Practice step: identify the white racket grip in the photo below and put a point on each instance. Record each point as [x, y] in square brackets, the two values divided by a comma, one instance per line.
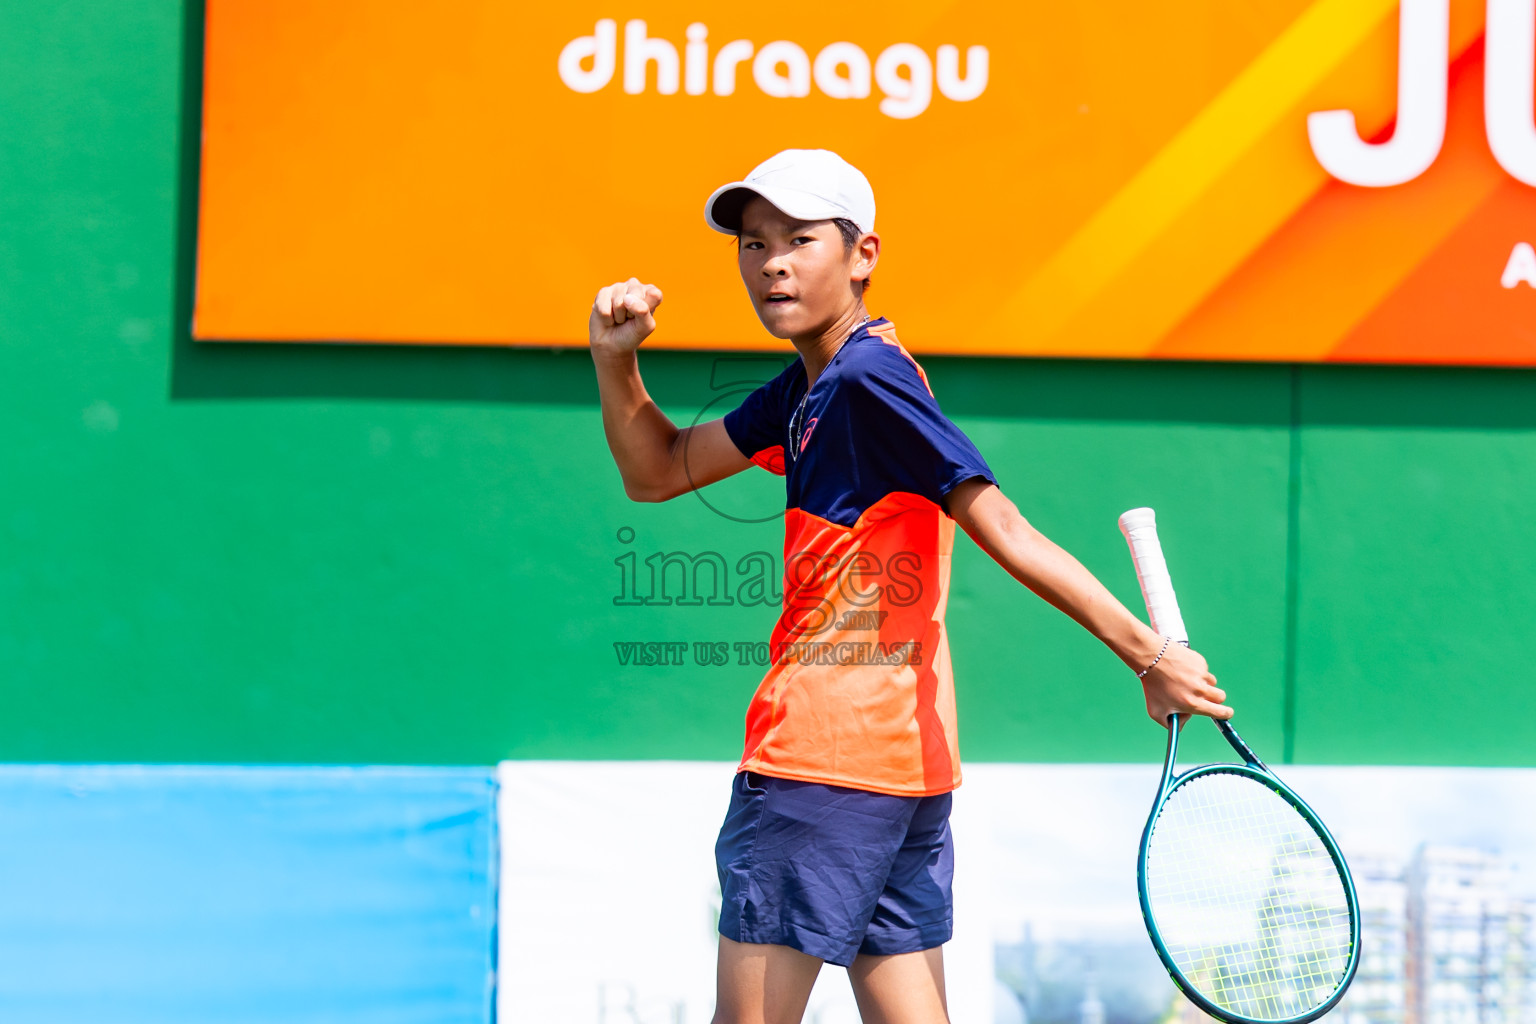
[1140, 528]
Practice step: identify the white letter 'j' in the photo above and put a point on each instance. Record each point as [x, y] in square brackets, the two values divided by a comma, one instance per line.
[1422, 72]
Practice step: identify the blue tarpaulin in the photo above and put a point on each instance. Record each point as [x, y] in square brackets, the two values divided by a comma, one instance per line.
[198, 894]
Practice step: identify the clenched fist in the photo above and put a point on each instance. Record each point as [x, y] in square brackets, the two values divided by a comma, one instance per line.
[622, 316]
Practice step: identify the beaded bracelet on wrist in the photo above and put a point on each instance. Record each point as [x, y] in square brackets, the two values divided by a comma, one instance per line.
[1143, 673]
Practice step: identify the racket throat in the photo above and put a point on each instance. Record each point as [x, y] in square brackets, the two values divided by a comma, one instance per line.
[1168, 759]
[1243, 750]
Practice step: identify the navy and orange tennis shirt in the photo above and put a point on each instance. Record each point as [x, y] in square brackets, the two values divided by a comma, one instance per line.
[859, 691]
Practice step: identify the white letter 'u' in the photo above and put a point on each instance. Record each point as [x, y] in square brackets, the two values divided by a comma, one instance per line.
[1422, 70]
[1507, 82]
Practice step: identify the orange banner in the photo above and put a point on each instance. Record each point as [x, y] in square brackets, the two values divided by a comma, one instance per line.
[1280, 180]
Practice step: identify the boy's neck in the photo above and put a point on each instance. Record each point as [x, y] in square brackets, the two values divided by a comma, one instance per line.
[817, 351]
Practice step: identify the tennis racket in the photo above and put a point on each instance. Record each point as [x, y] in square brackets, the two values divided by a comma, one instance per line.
[1245, 894]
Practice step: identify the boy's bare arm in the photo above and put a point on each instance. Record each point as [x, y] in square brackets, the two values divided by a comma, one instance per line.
[1181, 681]
[656, 460]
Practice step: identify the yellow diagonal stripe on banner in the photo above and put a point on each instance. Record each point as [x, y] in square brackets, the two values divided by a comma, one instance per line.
[1173, 181]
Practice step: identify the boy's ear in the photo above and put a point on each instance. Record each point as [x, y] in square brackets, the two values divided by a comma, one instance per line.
[866, 254]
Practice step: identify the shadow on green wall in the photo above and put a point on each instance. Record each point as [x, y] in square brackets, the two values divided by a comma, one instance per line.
[1011, 388]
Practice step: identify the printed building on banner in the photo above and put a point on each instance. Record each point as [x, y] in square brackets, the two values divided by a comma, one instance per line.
[1469, 940]
[1379, 994]
[1446, 939]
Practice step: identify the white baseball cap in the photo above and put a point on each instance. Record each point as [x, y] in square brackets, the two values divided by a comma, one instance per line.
[807, 184]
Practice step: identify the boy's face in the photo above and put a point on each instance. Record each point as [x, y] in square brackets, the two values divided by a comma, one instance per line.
[798, 272]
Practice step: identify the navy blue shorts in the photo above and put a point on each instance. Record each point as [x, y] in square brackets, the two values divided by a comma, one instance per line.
[835, 872]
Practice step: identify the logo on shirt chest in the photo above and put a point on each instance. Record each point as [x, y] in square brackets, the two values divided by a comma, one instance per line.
[805, 436]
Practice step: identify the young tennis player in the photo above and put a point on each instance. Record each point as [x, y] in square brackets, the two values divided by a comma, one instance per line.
[836, 844]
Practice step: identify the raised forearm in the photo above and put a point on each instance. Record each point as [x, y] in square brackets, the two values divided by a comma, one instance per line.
[641, 437]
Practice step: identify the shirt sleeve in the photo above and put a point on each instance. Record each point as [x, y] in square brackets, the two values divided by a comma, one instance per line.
[757, 427]
[907, 434]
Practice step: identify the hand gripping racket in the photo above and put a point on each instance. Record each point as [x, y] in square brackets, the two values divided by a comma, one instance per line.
[1245, 894]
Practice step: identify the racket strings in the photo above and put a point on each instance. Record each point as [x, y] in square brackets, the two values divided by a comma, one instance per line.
[1247, 899]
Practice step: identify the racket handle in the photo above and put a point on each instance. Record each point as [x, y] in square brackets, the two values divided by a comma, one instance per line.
[1140, 528]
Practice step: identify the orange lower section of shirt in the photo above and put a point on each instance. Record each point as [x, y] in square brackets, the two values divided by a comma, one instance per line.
[861, 692]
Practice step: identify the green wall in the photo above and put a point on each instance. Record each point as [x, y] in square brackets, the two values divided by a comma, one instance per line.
[289, 553]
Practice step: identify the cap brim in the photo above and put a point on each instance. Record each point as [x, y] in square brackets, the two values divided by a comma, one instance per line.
[723, 209]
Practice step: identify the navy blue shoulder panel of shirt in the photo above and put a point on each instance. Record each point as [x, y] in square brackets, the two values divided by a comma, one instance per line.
[871, 427]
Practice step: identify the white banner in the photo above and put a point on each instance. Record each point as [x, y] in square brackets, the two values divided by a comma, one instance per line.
[609, 898]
